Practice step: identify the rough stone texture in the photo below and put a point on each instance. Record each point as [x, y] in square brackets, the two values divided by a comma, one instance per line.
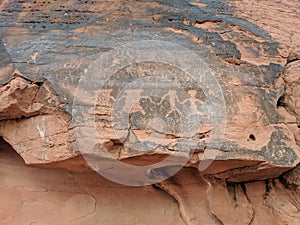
[282, 23]
[217, 202]
[44, 196]
[32, 122]
[47, 46]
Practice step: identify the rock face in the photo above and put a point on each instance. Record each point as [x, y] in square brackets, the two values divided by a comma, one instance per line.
[202, 93]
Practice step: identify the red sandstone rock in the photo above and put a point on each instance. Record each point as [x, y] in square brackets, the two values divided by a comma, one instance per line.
[47, 48]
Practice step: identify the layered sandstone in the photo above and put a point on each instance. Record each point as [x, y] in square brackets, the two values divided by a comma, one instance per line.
[238, 162]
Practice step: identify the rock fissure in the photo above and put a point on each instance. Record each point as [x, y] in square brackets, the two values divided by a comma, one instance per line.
[180, 207]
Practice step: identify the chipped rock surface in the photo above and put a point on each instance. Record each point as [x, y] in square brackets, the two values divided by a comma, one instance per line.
[69, 88]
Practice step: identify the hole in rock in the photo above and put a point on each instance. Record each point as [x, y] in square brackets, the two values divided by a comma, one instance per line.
[252, 137]
[8, 155]
[280, 102]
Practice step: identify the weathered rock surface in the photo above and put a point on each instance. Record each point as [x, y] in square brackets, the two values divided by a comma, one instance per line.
[44, 196]
[48, 48]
